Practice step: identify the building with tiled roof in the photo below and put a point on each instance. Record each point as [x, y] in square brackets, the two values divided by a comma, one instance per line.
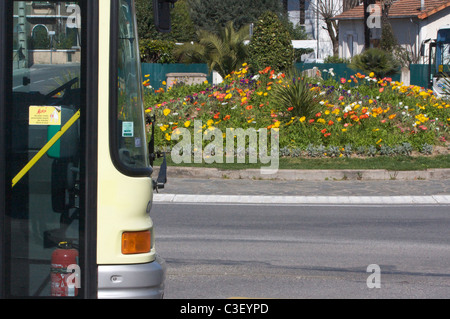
[413, 22]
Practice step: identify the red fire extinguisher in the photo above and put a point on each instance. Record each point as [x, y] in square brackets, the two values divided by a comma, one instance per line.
[63, 257]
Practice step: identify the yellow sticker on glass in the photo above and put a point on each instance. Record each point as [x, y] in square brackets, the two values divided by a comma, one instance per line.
[44, 115]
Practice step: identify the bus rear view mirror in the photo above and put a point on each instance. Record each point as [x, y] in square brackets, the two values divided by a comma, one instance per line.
[161, 12]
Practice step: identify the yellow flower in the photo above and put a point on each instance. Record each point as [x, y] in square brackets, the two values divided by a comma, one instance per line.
[147, 75]
[210, 122]
[166, 112]
[244, 64]
[205, 82]
[379, 141]
[371, 74]
[276, 124]
[187, 123]
[228, 96]
[302, 119]
[167, 136]
[164, 83]
[344, 130]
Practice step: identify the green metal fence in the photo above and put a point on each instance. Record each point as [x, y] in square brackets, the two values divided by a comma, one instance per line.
[157, 72]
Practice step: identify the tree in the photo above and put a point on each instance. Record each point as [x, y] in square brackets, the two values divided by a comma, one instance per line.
[212, 15]
[224, 52]
[327, 10]
[271, 44]
[388, 40]
[182, 26]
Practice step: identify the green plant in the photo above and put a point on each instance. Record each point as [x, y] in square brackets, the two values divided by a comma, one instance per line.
[271, 44]
[296, 97]
[333, 151]
[335, 59]
[157, 51]
[212, 15]
[40, 38]
[183, 29]
[388, 40]
[224, 53]
[426, 149]
[375, 60]
[348, 150]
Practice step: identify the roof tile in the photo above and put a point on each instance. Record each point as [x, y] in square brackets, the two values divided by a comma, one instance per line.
[400, 8]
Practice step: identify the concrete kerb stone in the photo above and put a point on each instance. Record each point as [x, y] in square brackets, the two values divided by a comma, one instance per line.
[305, 175]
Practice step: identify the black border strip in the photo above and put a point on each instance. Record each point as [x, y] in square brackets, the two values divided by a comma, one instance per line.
[113, 99]
[3, 71]
[89, 138]
[89, 155]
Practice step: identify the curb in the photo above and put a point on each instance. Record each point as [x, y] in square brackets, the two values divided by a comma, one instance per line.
[305, 200]
[306, 175]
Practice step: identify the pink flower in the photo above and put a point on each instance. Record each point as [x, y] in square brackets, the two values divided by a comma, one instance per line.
[343, 80]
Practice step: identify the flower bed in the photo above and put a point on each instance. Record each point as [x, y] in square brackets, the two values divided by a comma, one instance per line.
[358, 116]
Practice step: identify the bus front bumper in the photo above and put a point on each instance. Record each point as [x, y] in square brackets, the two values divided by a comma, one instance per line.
[138, 281]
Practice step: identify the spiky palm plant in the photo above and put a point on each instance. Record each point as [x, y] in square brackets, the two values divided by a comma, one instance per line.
[295, 96]
[224, 52]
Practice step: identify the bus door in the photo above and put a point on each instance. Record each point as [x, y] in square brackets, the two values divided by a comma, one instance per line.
[45, 114]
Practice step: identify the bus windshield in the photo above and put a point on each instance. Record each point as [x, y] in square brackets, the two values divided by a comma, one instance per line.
[132, 141]
[443, 49]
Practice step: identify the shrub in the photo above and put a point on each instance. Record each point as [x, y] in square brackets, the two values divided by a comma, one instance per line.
[271, 44]
[156, 51]
[296, 97]
[375, 60]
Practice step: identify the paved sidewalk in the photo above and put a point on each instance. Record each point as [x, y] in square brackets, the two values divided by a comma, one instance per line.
[205, 185]
[196, 186]
[307, 175]
[204, 181]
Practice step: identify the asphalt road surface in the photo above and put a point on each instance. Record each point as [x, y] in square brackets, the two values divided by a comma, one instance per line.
[304, 251]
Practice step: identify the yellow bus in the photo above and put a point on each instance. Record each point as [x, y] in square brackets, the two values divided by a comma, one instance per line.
[75, 166]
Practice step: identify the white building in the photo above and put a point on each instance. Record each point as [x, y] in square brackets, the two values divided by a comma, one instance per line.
[303, 12]
[413, 22]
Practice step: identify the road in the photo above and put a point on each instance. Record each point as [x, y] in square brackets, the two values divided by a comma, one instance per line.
[303, 251]
[44, 77]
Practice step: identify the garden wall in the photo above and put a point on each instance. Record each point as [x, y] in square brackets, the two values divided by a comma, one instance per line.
[157, 72]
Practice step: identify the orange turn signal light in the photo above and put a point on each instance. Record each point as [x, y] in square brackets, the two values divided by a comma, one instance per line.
[136, 242]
